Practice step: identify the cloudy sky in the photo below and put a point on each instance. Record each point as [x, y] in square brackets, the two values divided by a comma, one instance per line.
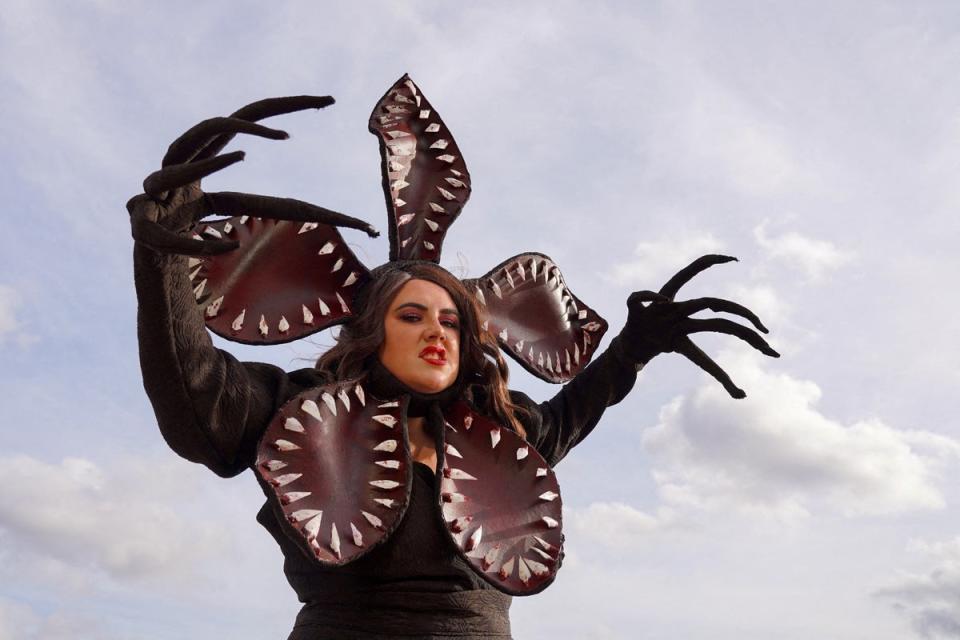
[818, 142]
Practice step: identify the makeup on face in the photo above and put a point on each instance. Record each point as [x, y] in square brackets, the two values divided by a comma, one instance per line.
[421, 344]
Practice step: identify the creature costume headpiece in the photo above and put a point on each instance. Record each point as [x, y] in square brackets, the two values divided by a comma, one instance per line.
[287, 280]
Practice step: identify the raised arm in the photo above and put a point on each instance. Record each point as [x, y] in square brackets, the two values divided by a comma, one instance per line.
[210, 407]
[656, 324]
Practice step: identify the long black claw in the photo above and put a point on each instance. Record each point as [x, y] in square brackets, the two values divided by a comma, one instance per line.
[180, 175]
[261, 109]
[729, 327]
[184, 148]
[687, 273]
[235, 204]
[695, 355]
[689, 307]
[163, 240]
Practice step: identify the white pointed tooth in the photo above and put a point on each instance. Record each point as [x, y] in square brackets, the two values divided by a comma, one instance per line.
[586, 341]
[449, 426]
[198, 290]
[292, 424]
[576, 353]
[592, 326]
[457, 474]
[530, 355]
[506, 569]
[397, 134]
[480, 297]
[405, 218]
[285, 479]
[192, 262]
[455, 172]
[446, 194]
[540, 360]
[285, 445]
[196, 236]
[540, 552]
[523, 571]
[411, 86]
[227, 228]
[357, 536]
[474, 540]
[429, 245]
[243, 219]
[447, 158]
[305, 514]
[453, 497]
[439, 144]
[437, 208]
[582, 314]
[313, 527]
[550, 522]
[494, 437]
[307, 315]
[385, 502]
[388, 464]
[283, 326]
[467, 422]
[452, 450]
[399, 202]
[424, 114]
[324, 309]
[264, 329]
[389, 405]
[496, 289]
[330, 402]
[344, 398]
[214, 307]
[504, 335]
[539, 569]
[522, 452]
[491, 557]
[387, 445]
[396, 166]
[361, 396]
[293, 496]
[433, 127]
[549, 365]
[405, 242]
[541, 472]
[193, 274]
[556, 361]
[519, 347]
[533, 268]
[386, 419]
[509, 278]
[566, 355]
[350, 279]
[343, 305]
[455, 182]
[308, 226]
[432, 224]
[326, 249]
[210, 231]
[549, 496]
[335, 540]
[543, 543]
[310, 407]
[385, 484]
[275, 465]
[337, 265]
[401, 98]
[374, 520]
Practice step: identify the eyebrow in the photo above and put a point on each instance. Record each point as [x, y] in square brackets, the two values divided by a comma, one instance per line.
[420, 307]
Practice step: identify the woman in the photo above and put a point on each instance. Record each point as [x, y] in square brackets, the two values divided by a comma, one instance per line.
[409, 491]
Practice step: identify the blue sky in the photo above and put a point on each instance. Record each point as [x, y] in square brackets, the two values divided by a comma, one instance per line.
[817, 142]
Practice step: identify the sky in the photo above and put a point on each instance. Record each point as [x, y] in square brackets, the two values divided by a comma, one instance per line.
[817, 142]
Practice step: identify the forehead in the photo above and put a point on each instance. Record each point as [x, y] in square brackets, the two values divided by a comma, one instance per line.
[423, 292]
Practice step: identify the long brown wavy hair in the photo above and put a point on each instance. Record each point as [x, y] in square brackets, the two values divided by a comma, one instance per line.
[481, 363]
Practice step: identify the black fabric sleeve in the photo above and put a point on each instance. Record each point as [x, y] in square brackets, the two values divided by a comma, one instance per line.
[211, 408]
[559, 424]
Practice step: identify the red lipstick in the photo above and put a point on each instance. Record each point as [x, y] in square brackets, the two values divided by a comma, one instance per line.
[434, 355]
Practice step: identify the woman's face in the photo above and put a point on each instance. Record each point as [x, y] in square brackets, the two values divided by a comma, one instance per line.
[421, 345]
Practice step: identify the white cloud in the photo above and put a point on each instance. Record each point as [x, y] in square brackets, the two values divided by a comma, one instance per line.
[10, 326]
[656, 261]
[931, 600]
[776, 454]
[78, 515]
[614, 525]
[815, 258]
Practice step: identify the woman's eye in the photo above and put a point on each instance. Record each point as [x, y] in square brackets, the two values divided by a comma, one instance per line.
[451, 323]
[410, 317]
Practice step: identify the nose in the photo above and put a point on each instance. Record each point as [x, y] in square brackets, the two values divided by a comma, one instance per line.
[435, 330]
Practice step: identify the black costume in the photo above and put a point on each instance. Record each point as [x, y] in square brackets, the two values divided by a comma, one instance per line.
[422, 566]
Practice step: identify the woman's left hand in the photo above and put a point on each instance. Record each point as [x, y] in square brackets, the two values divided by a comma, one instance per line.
[656, 323]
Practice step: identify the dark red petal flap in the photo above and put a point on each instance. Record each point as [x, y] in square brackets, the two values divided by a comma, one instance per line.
[536, 317]
[425, 180]
[286, 280]
[334, 461]
[501, 503]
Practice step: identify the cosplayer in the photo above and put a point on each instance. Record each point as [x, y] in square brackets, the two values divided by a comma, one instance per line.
[410, 491]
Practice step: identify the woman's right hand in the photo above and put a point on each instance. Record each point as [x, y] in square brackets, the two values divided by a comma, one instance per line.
[173, 201]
